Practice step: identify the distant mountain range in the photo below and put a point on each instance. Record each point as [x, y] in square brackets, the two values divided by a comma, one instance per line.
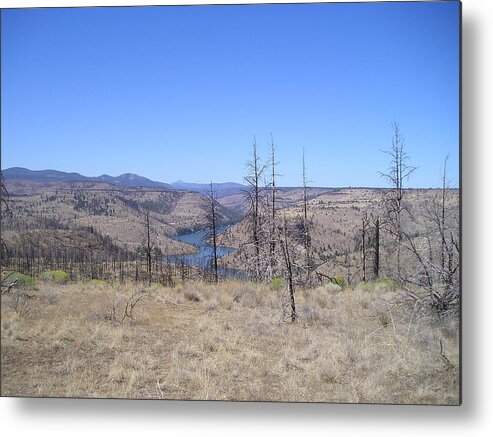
[125, 180]
[222, 189]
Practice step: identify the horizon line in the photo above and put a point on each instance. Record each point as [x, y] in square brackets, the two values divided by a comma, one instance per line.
[224, 182]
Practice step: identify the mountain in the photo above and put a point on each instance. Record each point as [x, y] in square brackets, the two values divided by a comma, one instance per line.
[45, 175]
[222, 189]
[229, 194]
[133, 180]
[125, 180]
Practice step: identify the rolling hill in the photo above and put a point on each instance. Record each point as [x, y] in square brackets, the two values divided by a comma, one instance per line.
[44, 203]
[125, 180]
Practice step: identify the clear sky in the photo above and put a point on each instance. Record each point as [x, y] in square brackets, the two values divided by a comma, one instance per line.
[179, 92]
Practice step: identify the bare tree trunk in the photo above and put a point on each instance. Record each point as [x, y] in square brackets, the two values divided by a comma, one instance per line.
[148, 247]
[363, 244]
[443, 251]
[436, 248]
[273, 207]
[398, 172]
[289, 271]
[4, 209]
[212, 218]
[253, 179]
[376, 259]
[306, 231]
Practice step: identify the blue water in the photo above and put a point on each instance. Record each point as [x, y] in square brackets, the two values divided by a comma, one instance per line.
[203, 258]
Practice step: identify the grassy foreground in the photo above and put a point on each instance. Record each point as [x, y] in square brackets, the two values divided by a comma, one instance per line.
[227, 342]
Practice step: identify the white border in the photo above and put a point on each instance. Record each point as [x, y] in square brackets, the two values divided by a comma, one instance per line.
[136, 418]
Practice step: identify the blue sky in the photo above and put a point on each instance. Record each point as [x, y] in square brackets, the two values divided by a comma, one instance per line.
[179, 92]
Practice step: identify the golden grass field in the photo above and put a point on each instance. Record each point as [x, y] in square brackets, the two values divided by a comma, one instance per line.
[226, 342]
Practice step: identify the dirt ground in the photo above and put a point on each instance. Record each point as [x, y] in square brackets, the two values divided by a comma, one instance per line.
[225, 342]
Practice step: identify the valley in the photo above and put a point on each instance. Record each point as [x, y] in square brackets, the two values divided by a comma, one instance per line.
[106, 220]
[132, 268]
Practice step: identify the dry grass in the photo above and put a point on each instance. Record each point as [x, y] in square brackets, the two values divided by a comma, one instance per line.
[202, 341]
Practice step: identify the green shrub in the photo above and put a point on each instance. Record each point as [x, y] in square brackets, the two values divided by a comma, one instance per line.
[379, 285]
[340, 281]
[97, 282]
[58, 276]
[276, 283]
[331, 287]
[385, 284]
[24, 281]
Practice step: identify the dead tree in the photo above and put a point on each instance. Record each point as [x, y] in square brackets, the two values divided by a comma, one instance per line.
[130, 304]
[376, 248]
[4, 210]
[211, 195]
[148, 245]
[273, 224]
[442, 224]
[5, 284]
[398, 172]
[253, 179]
[364, 237]
[435, 245]
[289, 268]
[306, 224]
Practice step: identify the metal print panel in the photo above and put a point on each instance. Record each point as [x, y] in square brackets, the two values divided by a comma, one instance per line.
[235, 202]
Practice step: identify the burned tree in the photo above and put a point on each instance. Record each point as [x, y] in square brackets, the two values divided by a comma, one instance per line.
[253, 179]
[212, 218]
[441, 221]
[148, 246]
[398, 172]
[305, 224]
[4, 209]
[289, 269]
[273, 211]
[435, 245]
[376, 247]
[364, 238]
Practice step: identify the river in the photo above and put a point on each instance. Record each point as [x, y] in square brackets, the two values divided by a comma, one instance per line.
[203, 257]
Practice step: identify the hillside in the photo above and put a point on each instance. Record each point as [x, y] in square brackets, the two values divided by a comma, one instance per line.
[335, 224]
[75, 249]
[20, 174]
[286, 197]
[107, 209]
[54, 219]
[222, 189]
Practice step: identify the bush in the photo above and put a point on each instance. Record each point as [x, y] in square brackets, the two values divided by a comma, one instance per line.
[339, 280]
[97, 282]
[192, 295]
[276, 283]
[57, 276]
[24, 281]
[379, 285]
[385, 284]
[332, 288]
